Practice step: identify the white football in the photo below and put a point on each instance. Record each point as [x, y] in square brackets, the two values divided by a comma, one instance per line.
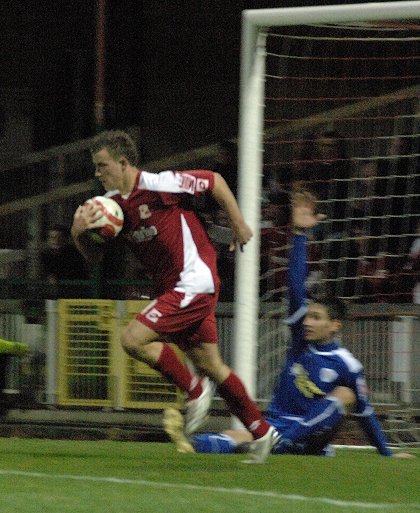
[111, 222]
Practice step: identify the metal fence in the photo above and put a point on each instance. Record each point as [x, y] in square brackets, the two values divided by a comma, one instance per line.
[386, 338]
[76, 359]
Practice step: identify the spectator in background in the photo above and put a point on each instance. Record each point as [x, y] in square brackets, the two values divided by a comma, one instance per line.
[225, 163]
[362, 190]
[414, 260]
[325, 171]
[396, 189]
[60, 261]
[377, 275]
[409, 277]
[371, 274]
[273, 260]
[385, 194]
[220, 234]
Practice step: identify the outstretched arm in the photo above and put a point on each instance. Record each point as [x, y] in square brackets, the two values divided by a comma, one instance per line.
[303, 218]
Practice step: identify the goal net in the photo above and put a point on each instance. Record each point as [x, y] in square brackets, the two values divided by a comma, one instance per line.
[329, 102]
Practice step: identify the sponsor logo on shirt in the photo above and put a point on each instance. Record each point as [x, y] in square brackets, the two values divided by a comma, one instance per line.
[202, 184]
[144, 211]
[186, 182]
[153, 315]
[303, 382]
[144, 234]
[327, 375]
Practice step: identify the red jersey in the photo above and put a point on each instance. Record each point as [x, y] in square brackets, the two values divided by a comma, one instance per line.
[164, 232]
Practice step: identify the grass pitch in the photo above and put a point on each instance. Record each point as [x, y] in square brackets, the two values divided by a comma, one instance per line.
[60, 476]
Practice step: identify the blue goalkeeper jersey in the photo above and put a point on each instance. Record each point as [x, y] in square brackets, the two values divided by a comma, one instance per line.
[314, 370]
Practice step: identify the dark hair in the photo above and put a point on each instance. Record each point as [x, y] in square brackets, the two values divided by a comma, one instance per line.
[336, 308]
[118, 143]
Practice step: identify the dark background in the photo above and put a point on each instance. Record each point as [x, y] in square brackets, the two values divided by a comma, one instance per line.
[172, 69]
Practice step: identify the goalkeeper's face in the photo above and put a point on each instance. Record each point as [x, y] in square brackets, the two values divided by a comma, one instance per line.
[318, 326]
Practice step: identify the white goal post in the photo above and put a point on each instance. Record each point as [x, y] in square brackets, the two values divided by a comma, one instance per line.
[250, 153]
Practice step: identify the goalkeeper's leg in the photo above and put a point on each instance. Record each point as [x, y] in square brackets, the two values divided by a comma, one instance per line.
[311, 433]
[228, 442]
[211, 443]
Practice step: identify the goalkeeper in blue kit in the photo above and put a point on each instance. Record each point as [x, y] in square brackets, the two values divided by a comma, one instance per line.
[321, 381]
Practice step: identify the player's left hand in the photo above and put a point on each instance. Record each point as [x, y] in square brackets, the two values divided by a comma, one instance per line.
[404, 455]
[242, 233]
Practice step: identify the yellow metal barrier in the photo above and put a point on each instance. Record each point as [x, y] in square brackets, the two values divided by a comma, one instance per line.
[93, 369]
[144, 387]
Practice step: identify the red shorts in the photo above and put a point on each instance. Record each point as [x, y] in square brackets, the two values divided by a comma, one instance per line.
[187, 326]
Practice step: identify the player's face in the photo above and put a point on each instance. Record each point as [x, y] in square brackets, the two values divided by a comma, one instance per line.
[108, 170]
[318, 327]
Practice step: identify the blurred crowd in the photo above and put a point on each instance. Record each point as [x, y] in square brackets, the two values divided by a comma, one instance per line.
[367, 249]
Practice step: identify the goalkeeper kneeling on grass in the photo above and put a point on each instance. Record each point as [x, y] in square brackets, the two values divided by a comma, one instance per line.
[321, 380]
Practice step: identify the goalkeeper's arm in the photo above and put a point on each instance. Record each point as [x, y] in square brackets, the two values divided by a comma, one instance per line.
[373, 430]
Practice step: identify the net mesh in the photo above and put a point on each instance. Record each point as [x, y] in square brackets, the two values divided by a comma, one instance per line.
[342, 119]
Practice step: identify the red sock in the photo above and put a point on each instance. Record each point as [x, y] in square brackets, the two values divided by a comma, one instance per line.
[171, 367]
[240, 404]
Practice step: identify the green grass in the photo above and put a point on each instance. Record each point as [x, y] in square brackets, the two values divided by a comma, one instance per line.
[57, 476]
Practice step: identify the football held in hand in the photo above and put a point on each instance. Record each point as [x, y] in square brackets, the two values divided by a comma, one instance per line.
[111, 222]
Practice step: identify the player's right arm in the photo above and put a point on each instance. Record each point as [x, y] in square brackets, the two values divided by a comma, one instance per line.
[83, 221]
[200, 182]
[303, 218]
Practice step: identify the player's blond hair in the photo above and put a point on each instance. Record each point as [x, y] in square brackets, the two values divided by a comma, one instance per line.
[118, 143]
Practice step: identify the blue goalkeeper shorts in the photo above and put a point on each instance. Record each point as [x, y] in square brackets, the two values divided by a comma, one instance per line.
[316, 444]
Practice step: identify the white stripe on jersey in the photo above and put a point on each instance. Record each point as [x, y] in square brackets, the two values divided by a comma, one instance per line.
[297, 316]
[196, 277]
[351, 361]
[367, 412]
[168, 181]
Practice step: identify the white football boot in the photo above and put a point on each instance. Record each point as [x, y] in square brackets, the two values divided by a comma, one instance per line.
[261, 448]
[197, 410]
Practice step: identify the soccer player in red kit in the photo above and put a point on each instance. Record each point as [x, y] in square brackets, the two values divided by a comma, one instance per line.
[164, 232]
